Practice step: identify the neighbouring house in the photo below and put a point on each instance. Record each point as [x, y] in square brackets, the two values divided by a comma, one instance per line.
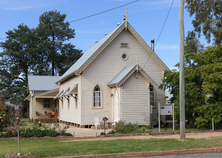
[42, 90]
[118, 78]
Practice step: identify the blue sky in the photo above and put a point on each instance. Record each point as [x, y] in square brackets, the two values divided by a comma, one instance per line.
[146, 17]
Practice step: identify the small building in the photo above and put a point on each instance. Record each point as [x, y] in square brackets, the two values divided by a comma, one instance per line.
[42, 90]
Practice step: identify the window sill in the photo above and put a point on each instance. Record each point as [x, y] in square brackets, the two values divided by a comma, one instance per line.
[46, 108]
[97, 108]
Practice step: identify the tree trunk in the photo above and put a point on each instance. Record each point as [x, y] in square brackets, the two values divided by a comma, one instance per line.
[18, 139]
[53, 65]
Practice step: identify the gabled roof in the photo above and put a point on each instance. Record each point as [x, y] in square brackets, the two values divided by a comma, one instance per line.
[42, 83]
[125, 73]
[79, 66]
[87, 55]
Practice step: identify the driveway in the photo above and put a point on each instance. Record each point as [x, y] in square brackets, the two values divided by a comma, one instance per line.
[84, 132]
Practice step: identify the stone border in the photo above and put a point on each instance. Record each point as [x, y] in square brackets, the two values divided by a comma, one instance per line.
[111, 135]
[45, 137]
[152, 153]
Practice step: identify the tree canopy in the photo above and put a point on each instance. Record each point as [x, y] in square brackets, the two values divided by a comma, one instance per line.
[203, 75]
[203, 88]
[36, 51]
[207, 18]
[55, 31]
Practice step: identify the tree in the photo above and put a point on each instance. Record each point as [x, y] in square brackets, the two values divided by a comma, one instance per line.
[55, 32]
[207, 18]
[203, 87]
[36, 51]
[17, 61]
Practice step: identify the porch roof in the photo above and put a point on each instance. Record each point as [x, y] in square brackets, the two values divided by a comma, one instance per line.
[126, 72]
[118, 78]
[72, 89]
[42, 83]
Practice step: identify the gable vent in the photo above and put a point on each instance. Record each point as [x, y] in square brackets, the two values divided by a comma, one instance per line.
[124, 45]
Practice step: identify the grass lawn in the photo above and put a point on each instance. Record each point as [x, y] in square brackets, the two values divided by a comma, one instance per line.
[54, 147]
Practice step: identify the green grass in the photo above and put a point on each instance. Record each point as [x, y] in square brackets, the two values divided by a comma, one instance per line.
[54, 147]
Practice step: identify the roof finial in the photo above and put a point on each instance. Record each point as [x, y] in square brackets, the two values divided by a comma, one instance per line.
[125, 18]
[137, 68]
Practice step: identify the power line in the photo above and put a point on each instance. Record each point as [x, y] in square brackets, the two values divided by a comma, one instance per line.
[164, 22]
[97, 13]
[103, 11]
[160, 31]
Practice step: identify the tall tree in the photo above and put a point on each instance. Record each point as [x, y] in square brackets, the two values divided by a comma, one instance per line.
[54, 31]
[17, 61]
[207, 18]
[203, 87]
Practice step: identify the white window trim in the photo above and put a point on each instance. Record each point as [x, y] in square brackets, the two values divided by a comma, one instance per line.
[44, 104]
[124, 59]
[100, 98]
[122, 43]
[154, 101]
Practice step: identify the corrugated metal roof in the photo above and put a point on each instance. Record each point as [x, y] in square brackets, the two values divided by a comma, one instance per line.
[87, 55]
[42, 83]
[64, 92]
[74, 87]
[116, 80]
[57, 96]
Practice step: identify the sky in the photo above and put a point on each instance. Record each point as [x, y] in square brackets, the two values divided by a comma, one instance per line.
[146, 16]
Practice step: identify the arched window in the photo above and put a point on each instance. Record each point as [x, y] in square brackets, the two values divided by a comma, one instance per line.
[152, 103]
[97, 97]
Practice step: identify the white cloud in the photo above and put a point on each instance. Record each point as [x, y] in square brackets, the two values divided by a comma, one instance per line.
[17, 5]
[26, 4]
[167, 46]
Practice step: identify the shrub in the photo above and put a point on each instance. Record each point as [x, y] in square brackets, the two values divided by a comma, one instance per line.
[143, 129]
[102, 133]
[119, 127]
[5, 120]
[51, 133]
[149, 127]
[8, 134]
[112, 132]
[38, 133]
[66, 134]
[26, 134]
[125, 128]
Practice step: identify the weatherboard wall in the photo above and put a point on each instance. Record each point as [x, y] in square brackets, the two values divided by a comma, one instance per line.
[135, 105]
[70, 111]
[108, 64]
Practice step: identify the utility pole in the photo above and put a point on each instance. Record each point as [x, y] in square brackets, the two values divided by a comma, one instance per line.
[182, 80]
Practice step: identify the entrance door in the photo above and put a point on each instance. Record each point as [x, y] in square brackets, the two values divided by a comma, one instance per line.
[116, 106]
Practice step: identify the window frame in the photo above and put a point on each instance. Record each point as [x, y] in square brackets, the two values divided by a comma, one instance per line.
[124, 45]
[126, 58]
[152, 91]
[46, 101]
[100, 97]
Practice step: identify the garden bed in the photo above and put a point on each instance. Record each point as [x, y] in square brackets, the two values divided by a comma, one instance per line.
[45, 137]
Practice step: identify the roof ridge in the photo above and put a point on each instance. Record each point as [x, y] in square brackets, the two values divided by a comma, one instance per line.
[88, 54]
[132, 67]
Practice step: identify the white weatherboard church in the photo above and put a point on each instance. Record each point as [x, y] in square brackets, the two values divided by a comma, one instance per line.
[112, 79]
